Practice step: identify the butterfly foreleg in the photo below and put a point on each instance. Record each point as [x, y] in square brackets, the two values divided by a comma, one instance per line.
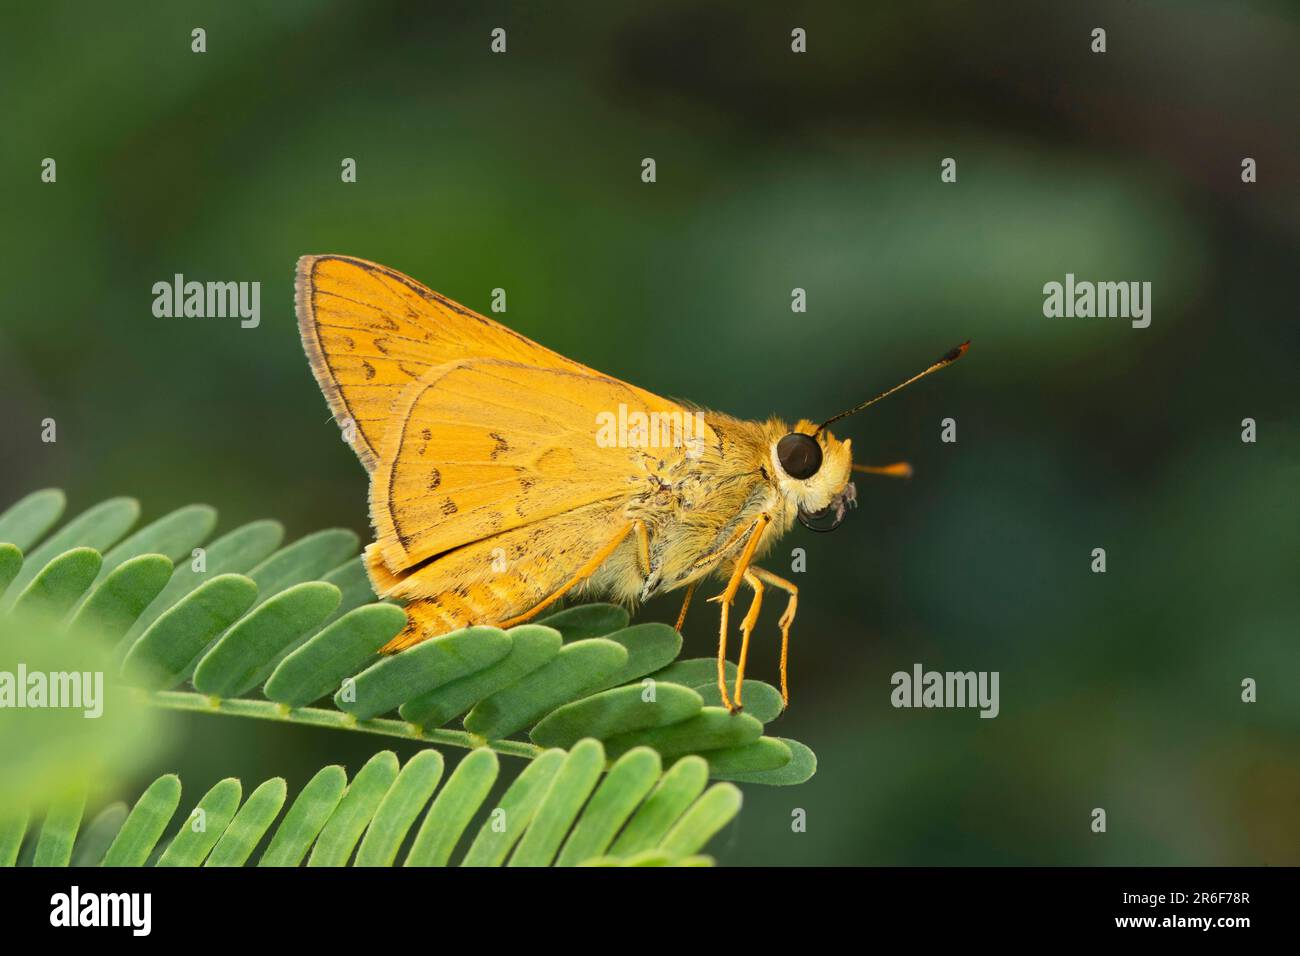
[583, 573]
[751, 537]
[787, 618]
[642, 548]
[701, 563]
[746, 628]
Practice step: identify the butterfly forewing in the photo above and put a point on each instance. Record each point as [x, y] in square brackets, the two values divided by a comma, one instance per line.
[487, 446]
[370, 332]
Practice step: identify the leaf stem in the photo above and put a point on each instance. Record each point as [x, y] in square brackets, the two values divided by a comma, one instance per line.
[320, 717]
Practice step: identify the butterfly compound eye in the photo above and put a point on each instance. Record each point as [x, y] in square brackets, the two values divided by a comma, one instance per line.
[799, 455]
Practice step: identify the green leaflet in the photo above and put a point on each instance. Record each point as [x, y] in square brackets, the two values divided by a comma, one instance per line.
[399, 808]
[96, 838]
[306, 559]
[576, 670]
[706, 817]
[615, 712]
[245, 654]
[649, 647]
[54, 845]
[172, 536]
[351, 817]
[55, 589]
[336, 652]
[354, 587]
[25, 521]
[453, 809]
[802, 765]
[305, 819]
[761, 701]
[695, 672]
[250, 824]
[11, 562]
[122, 596]
[763, 755]
[531, 646]
[204, 826]
[144, 827]
[711, 729]
[164, 653]
[13, 824]
[587, 620]
[562, 810]
[393, 680]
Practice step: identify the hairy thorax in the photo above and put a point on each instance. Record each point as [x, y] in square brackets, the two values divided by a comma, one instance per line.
[693, 504]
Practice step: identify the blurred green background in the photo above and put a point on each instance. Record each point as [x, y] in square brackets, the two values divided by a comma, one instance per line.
[775, 171]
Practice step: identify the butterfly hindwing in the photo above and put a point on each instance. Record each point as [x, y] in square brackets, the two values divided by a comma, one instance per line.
[484, 446]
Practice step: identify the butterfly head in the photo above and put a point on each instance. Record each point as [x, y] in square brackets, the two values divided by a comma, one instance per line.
[812, 469]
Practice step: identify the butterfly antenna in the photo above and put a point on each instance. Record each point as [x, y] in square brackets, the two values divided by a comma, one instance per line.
[950, 357]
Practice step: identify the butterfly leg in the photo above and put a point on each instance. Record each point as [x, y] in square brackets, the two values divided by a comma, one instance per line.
[587, 570]
[787, 618]
[754, 535]
[747, 628]
[708, 560]
[681, 618]
[642, 548]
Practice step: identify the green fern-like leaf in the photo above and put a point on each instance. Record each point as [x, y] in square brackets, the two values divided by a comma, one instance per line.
[558, 812]
[245, 626]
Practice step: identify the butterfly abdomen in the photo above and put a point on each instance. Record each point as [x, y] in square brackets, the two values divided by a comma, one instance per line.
[485, 582]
